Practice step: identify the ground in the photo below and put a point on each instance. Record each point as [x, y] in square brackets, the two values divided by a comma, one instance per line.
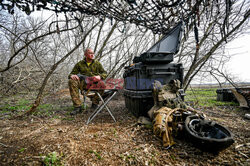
[52, 135]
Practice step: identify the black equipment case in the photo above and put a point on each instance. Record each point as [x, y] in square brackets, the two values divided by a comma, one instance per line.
[138, 102]
[138, 84]
[164, 50]
[225, 94]
[149, 66]
[141, 76]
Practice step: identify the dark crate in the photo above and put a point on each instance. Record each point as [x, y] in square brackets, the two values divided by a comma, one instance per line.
[138, 102]
[142, 76]
[154, 64]
[164, 50]
[225, 94]
[154, 57]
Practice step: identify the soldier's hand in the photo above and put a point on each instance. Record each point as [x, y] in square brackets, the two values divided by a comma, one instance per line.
[96, 78]
[74, 77]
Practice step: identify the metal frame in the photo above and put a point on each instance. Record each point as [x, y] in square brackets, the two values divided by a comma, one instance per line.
[100, 107]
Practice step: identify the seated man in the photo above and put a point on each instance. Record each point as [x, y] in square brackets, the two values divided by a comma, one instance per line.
[93, 70]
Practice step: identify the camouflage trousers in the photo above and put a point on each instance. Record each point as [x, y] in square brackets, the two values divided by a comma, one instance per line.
[75, 86]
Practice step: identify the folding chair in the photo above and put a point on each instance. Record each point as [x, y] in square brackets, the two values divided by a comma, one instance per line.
[105, 99]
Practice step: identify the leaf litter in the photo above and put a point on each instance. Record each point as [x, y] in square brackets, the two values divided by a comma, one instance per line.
[103, 142]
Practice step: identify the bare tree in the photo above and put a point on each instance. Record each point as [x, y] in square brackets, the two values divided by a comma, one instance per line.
[26, 52]
[212, 37]
[52, 69]
[20, 40]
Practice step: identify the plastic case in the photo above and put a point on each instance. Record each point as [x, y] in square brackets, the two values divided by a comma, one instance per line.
[138, 102]
[225, 94]
[141, 76]
[154, 64]
[164, 50]
[154, 58]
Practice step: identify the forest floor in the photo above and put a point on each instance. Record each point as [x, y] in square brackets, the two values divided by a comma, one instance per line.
[53, 135]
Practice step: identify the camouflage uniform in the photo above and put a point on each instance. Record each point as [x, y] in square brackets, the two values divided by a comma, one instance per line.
[94, 69]
[168, 95]
[167, 103]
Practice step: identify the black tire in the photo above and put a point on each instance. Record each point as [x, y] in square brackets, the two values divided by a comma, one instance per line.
[207, 135]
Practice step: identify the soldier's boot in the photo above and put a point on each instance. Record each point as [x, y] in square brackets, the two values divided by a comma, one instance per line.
[94, 106]
[95, 100]
[76, 110]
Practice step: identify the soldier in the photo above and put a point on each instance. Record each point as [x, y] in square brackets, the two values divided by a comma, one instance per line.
[95, 72]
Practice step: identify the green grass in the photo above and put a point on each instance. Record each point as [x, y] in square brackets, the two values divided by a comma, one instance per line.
[68, 119]
[20, 105]
[53, 159]
[22, 150]
[44, 107]
[97, 154]
[205, 97]
[127, 157]
[44, 110]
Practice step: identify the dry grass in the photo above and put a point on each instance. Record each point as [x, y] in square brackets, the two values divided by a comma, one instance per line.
[103, 142]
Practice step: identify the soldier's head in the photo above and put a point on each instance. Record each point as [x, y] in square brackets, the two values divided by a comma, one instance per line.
[89, 54]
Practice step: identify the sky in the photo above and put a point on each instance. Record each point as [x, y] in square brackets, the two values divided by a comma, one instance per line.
[239, 64]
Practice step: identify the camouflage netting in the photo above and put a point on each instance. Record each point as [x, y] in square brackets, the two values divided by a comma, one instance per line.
[156, 15]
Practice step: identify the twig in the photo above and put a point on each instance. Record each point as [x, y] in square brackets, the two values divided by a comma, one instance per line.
[238, 146]
[4, 145]
[197, 101]
[41, 120]
[131, 126]
[242, 145]
[36, 131]
[243, 154]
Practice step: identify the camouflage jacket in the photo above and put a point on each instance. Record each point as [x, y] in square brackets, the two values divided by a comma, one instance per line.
[94, 69]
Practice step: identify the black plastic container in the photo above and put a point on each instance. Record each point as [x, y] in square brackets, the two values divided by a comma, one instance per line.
[155, 57]
[138, 102]
[154, 64]
[164, 50]
[141, 76]
[225, 94]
